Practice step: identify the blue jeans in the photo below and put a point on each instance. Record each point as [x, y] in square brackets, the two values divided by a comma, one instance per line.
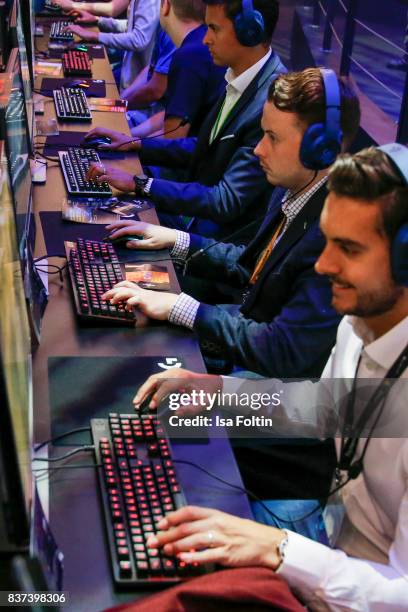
[287, 513]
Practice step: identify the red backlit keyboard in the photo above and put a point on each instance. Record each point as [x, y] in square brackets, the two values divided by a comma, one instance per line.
[139, 485]
[76, 63]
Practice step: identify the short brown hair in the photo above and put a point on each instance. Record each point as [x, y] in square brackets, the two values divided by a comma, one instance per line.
[303, 93]
[189, 10]
[370, 175]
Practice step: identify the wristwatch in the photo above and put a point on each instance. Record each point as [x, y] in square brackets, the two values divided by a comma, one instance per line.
[142, 184]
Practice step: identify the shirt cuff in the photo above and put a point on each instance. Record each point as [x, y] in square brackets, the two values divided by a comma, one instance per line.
[181, 246]
[184, 311]
[305, 565]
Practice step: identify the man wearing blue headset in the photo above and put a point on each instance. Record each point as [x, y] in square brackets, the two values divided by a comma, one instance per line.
[365, 565]
[283, 323]
[222, 186]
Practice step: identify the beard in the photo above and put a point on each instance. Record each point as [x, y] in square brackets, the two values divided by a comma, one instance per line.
[374, 302]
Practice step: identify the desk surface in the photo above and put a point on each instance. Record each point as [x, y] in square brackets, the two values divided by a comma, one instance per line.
[74, 511]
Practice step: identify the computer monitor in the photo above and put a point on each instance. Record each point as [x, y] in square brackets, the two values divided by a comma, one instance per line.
[25, 41]
[8, 29]
[16, 482]
[14, 130]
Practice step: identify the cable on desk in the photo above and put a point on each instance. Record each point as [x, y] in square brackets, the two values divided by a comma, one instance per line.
[38, 152]
[67, 433]
[68, 467]
[86, 448]
[252, 495]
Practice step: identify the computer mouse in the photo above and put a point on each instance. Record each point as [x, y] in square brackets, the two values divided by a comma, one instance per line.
[79, 83]
[122, 240]
[96, 141]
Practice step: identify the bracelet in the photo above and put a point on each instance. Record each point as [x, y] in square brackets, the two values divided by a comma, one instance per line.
[282, 547]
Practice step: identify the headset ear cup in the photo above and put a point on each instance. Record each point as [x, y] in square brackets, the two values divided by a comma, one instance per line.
[316, 150]
[399, 256]
[249, 28]
[312, 135]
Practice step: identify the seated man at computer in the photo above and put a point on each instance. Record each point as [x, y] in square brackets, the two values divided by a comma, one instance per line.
[365, 567]
[194, 81]
[134, 35]
[284, 324]
[225, 186]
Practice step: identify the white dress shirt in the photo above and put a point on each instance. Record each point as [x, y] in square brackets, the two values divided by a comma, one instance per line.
[236, 85]
[368, 569]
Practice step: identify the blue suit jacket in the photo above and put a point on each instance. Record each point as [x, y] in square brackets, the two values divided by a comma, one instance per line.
[286, 326]
[225, 182]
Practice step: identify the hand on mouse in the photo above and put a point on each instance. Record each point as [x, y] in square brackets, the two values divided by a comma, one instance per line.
[152, 236]
[118, 139]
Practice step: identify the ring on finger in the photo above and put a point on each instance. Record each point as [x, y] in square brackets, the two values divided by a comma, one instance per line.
[210, 538]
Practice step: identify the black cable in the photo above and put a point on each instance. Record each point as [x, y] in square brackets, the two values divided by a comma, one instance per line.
[242, 229]
[86, 448]
[49, 255]
[186, 119]
[256, 498]
[50, 469]
[60, 436]
[38, 152]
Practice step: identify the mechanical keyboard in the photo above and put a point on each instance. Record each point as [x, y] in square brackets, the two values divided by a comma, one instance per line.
[76, 63]
[58, 32]
[51, 7]
[138, 485]
[75, 164]
[71, 104]
[93, 269]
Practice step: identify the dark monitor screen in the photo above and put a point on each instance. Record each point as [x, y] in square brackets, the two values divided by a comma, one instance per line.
[15, 131]
[8, 29]
[25, 40]
[15, 381]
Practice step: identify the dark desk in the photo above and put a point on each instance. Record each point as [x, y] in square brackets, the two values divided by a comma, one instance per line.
[75, 514]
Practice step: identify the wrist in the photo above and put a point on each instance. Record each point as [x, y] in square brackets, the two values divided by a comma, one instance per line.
[142, 184]
[275, 554]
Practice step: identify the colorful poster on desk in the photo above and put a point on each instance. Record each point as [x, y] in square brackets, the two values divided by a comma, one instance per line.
[148, 276]
[88, 210]
[109, 105]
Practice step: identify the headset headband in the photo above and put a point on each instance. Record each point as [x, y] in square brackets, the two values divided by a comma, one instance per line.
[398, 154]
[332, 92]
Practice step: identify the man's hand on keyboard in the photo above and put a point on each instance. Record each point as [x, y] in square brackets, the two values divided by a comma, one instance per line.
[173, 380]
[115, 177]
[204, 535]
[153, 304]
[154, 236]
[83, 33]
[118, 139]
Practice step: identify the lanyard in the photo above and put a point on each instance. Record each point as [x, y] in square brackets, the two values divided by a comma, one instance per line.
[216, 127]
[376, 403]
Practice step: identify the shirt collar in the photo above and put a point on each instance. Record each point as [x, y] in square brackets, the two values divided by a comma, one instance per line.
[292, 206]
[241, 82]
[385, 349]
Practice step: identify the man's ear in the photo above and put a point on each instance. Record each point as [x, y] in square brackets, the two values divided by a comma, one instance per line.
[166, 6]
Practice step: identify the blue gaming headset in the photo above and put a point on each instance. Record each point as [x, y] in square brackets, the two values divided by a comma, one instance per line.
[322, 141]
[398, 155]
[249, 25]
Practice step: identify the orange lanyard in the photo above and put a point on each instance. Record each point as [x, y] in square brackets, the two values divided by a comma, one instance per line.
[266, 252]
